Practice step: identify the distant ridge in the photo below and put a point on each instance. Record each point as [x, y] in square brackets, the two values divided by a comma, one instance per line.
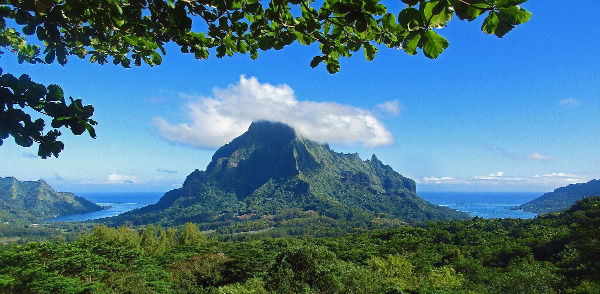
[562, 198]
[33, 201]
[269, 177]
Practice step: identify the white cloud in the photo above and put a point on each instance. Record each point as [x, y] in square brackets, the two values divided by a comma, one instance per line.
[539, 157]
[549, 181]
[493, 176]
[438, 180]
[115, 178]
[498, 174]
[392, 107]
[556, 175]
[570, 102]
[217, 120]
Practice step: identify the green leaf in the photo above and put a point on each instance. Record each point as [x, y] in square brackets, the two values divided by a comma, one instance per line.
[266, 42]
[492, 24]
[409, 18]
[23, 141]
[241, 47]
[55, 93]
[361, 24]
[29, 29]
[61, 55]
[514, 15]
[302, 39]
[156, 58]
[78, 128]
[22, 17]
[370, 51]
[388, 21]
[126, 63]
[467, 12]
[316, 61]
[437, 13]
[333, 66]
[50, 56]
[507, 3]
[411, 42]
[132, 40]
[433, 44]
[91, 131]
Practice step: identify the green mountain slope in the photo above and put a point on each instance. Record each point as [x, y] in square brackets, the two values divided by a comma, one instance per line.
[270, 177]
[562, 198]
[32, 201]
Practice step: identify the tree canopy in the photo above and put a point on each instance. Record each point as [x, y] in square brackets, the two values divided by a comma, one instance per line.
[130, 33]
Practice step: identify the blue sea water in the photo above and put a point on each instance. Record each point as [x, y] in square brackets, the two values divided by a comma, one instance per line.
[484, 204]
[117, 203]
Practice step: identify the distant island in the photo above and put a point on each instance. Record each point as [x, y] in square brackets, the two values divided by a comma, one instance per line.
[27, 202]
[270, 178]
[561, 198]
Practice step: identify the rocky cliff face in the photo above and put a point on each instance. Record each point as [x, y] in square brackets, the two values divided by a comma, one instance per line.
[270, 169]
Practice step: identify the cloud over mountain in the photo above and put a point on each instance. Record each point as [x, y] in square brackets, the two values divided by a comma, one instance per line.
[214, 121]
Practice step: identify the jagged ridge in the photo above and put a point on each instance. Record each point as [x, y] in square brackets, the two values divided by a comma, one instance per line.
[270, 170]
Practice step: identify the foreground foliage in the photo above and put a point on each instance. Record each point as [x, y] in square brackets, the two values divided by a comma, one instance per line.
[550, 254]
[130, 33]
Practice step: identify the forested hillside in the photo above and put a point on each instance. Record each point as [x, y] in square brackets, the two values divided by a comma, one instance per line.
[269, 178]
[26, 202]
[554, 253]
[562, 198]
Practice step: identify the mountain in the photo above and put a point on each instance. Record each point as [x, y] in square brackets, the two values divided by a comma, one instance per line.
[271, 177]
[562, 198]
[32, 201]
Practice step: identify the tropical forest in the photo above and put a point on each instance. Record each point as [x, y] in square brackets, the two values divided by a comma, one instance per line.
[299, 146]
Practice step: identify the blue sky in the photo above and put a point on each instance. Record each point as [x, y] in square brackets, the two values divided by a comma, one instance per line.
[514, 114]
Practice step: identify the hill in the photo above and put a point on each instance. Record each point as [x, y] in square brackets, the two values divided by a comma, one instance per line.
[562, 198]
[553, 253]
[271, 178]
[32, 201]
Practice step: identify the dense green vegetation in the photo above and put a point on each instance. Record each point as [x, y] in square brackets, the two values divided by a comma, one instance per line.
[24, 203]
[561, 198]
[554, 253]
[269, 178]
[54, 231]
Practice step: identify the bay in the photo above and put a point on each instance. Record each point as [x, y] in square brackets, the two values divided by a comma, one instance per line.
[484, 204]
[481, 204]
[117, 203]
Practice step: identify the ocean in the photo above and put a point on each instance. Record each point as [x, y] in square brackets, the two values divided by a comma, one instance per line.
[117, 203]
[482, 204]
